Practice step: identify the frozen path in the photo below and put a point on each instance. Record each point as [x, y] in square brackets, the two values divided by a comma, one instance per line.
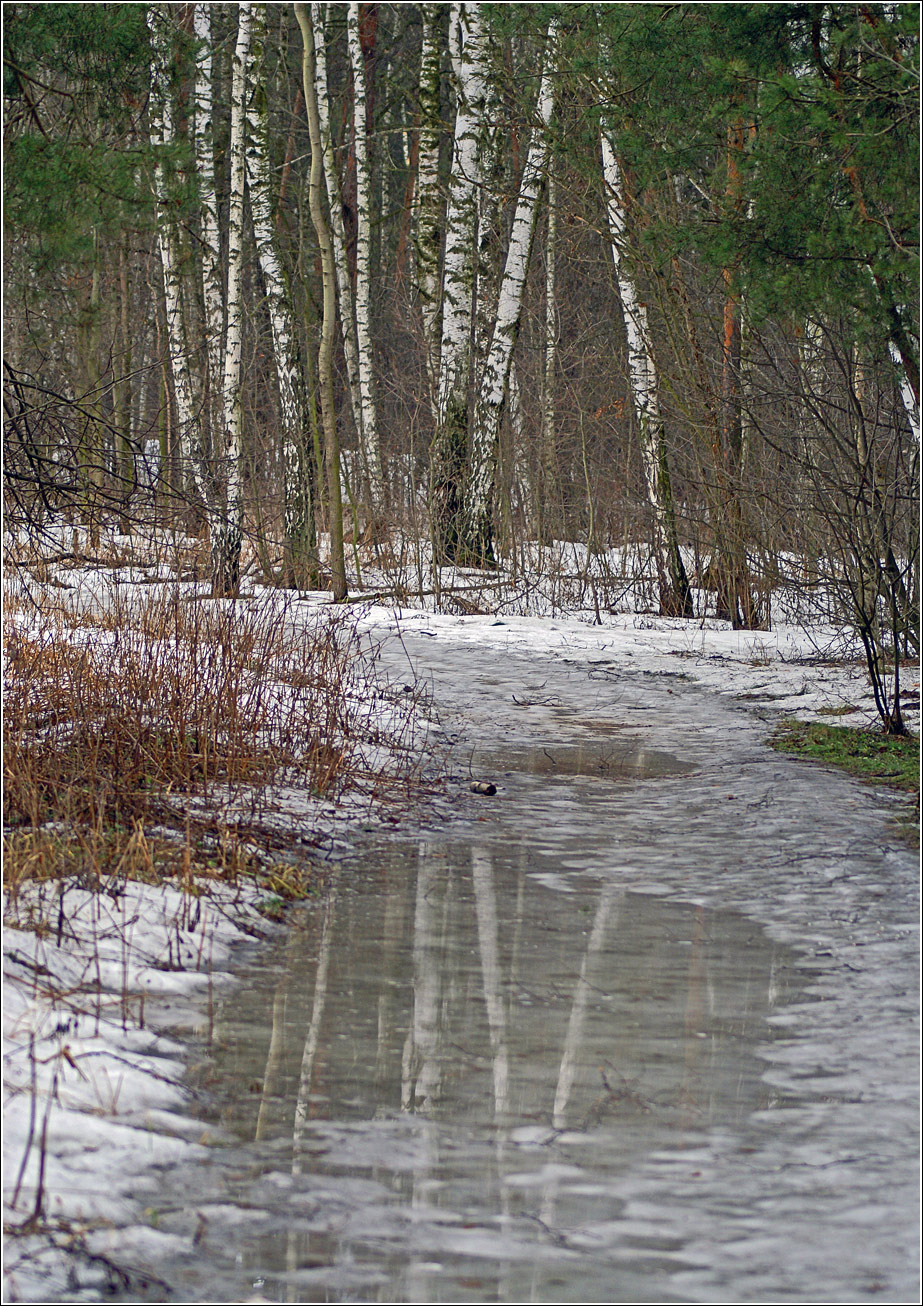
[808, 854]
[809, 1194]
[733, 930]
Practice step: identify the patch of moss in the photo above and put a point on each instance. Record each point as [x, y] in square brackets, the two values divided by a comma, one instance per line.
[873, 757]
[879, 758]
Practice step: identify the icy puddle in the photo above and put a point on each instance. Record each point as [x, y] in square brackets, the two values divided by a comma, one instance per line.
[605, 759]
[533, 1056]
[455, 1083]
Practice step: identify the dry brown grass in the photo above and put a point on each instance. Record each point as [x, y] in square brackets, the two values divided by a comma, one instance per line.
[146, 706]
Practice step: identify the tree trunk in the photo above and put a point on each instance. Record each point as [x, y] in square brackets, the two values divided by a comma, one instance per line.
[227, 532]
[163, 136]
[300, 545]
[449, 449]
[325, 351]
[371, 444]
[209, 232]
[734, 598]
[429, 208]
[478, 543]
[337, 229]
[675, 596]
[125, 466]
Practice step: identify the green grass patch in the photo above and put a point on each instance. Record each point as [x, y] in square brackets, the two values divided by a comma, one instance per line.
[878, 758]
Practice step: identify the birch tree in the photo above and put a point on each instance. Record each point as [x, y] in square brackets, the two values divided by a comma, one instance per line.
[448, 454]
[488, 411]
[429, 206]
[216, 470]
[319, 149]
[368, 417]
[298, 515]
[163, 139]
[209, 230]
[675, 594]
[227, 527]
[369, 450]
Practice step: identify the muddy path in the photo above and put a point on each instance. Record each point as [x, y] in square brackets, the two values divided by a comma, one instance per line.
[641, 1026]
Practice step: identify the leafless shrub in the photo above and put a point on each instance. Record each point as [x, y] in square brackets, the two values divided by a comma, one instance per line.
[123, 710]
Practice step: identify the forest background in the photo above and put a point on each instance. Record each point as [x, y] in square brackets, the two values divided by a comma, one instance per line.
[457, 283]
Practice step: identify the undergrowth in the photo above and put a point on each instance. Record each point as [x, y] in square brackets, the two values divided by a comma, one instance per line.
[162, 707]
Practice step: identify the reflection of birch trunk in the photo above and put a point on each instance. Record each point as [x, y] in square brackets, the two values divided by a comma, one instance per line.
[422, 1070]
[312, 1040]
[275, 1056]
[610, 896]
[674, 584]
[698, 996]
[421, 1083]
[390, 1016]
[489, 944]
[274, 1061]
[298, 514]
[488, 410]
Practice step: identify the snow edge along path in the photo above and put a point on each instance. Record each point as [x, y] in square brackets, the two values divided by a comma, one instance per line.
[93, 1099]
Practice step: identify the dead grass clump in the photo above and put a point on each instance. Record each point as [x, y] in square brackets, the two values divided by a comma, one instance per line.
[119, 712]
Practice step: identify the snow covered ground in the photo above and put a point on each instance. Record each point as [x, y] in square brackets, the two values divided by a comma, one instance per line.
[103, 992]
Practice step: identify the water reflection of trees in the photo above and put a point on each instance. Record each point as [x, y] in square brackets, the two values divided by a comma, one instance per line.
[465, 989]
[462, 994]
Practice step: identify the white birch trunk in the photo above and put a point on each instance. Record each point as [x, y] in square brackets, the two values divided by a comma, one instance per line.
[643, 380]
[911, 407]
[227, 536]
[337, 229]
[212, 280]
[490, 193]
[428, 206]
[450, 442]
[298, 520]
[363, 299]
[492, 390]
[163, 135]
